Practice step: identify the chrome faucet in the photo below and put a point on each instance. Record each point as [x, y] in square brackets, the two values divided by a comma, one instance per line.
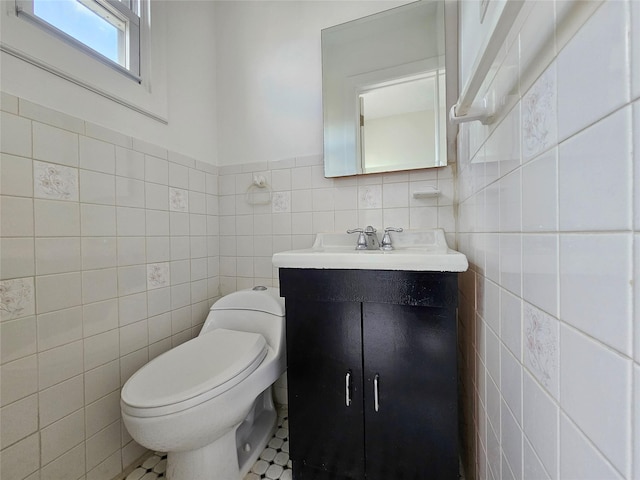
[367, 240]
[386, 240]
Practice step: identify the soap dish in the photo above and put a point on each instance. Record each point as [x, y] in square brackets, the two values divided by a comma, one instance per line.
[429, 193]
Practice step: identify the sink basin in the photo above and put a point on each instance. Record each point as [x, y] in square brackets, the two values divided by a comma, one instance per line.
[417, 250]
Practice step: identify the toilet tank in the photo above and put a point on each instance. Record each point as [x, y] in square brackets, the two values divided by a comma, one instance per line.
[259, 310]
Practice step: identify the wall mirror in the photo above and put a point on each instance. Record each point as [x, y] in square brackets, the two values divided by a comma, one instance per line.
[384, 80]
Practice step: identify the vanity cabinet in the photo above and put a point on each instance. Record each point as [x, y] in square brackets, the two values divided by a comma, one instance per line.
[372, 375]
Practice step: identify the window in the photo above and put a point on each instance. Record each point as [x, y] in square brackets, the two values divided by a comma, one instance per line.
[109, 30]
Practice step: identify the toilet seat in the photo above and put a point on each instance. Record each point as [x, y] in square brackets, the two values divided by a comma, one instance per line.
[193, 372]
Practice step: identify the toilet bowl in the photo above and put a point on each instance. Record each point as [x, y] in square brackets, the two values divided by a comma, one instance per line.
[208, 402]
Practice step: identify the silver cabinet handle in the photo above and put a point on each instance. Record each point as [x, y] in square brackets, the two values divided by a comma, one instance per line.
[376, 400]
[347, 389]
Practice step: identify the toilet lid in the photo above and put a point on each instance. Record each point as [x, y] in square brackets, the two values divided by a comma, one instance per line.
[193, 372]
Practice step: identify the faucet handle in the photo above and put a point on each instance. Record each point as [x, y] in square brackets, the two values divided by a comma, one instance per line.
[369, 230]
[362, 238]
[386, 240]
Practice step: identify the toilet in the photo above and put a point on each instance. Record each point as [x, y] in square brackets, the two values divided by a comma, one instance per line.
[208, 402]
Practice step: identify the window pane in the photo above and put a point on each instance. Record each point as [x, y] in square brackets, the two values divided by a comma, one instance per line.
[79, 22]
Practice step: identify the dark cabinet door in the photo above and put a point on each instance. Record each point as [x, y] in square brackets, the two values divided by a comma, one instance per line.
[324, 351]
[395, 331]
[410, 392]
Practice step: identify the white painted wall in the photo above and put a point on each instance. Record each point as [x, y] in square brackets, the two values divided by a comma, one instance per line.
[270, 82]
[191, 74]
[180, 86]
[237, 82]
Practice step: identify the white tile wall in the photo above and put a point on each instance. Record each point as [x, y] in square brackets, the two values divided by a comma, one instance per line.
[540, 424]
[533, 468]
[305, 203]
[59, 328]
[17, 178]
[60, 400]
[634, 52]
[579, 457]
[97, 155]
[596, 295]
[540, 193]
[22, 458]
[606, 417]
[55, 218]
[511, 381]
[596, 195]
[17, 338]
[561, 253]
[636, 424]
[582, 77]
[19, 420]
[19, 379]
[16, 135]
[540, 271]
[17, 257]
[84, 219]
[54, 145]
[512, 460]
[17, 217]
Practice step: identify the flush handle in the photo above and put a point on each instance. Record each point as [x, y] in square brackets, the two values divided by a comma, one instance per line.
[376, 399]
[347, 389]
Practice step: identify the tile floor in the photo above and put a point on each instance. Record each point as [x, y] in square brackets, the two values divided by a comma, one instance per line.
[273, 464]
[152, 468]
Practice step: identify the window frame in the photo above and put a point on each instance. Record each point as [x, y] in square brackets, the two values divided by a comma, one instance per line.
[128, 42]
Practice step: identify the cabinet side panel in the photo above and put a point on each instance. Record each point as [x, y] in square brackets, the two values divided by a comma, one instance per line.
[324, 343]
[412, 351]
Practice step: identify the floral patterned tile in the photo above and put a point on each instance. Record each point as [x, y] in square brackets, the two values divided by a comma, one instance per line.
[539, 115]
[370, 196]
[541, 346]
[55, 182]
[178, 200]
[16, 298]
[281, 202]
[158, 275]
